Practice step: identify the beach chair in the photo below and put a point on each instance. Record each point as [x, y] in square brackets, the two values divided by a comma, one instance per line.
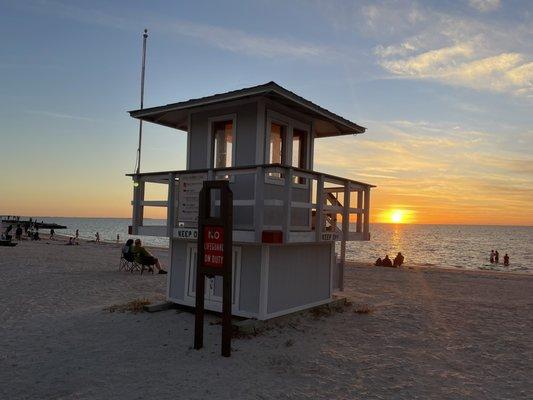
[136, 266]
[149, 268]
[125, 264]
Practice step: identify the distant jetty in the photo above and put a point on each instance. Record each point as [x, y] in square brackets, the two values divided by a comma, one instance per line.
[30, 222]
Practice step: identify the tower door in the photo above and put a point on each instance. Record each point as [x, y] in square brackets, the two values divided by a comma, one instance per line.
[213, 286]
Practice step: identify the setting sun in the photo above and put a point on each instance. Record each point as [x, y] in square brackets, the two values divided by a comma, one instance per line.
[397, 216]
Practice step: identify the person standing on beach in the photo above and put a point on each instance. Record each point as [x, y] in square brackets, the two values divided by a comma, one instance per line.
[18, 233]
[506, 260]
[496, 257]
[118, 238]
[52, 232]
[492, 256]
[97, 237]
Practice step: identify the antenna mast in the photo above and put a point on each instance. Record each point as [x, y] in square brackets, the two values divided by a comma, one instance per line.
[138, 166]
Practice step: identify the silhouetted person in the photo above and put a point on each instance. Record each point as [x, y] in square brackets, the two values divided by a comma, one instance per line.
[97, 237]
[398, 260]
[127, 250]
[143, 256]
[52, 233]
[492, 256]
[387, 262]
[496, 257]
[18, 233]
[379, 262]
[506, 260]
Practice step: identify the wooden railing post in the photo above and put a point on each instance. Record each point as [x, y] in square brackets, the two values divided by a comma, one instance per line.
[138, 209]
[319, 221]
[366, 222]
[171, 205]
[287, 201]
[259, 203]
[345, 231]
[359, 223]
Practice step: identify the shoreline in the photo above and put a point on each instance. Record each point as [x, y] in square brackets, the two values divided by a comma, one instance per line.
[357, 264]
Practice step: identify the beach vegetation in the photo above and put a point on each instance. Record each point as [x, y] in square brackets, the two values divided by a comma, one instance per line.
[363, 309]
[134, 307]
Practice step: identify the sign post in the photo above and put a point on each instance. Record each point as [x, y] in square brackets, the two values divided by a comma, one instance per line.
[215, 247]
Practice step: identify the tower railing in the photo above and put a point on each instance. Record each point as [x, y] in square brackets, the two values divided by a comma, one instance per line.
[292, 205]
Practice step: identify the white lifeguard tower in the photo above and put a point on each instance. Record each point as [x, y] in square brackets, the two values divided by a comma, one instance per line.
[287, 217]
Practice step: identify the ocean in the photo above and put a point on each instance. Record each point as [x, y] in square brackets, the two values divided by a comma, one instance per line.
[447, 246]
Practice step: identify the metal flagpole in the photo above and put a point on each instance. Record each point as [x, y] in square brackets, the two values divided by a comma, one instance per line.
[138, 170]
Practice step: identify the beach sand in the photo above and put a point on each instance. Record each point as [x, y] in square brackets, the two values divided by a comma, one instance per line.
[431, 334]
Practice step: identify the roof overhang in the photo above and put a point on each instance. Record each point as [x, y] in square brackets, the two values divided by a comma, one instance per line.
[176, 115]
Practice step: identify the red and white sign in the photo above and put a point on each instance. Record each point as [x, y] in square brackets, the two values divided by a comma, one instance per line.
[213, 246]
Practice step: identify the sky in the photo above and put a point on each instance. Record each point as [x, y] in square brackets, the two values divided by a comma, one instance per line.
[444, 88]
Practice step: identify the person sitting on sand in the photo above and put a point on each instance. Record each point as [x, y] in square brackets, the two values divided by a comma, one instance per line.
[127, 250]
[398, 260]
[506, 260]
[143, 256]
[379, 262]
[387, 262]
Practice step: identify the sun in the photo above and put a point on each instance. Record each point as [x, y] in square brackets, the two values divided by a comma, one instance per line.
[397, 216]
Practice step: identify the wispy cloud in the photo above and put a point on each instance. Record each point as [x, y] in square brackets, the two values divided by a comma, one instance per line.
[506, 72]
[418, 42]
[50, 114]
[485, 5]
[442, 171]
[234, 40]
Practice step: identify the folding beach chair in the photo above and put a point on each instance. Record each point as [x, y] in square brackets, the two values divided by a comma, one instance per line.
[149, 268]
[136, 266]
[126, 264]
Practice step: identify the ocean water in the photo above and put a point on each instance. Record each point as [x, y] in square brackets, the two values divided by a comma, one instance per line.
[448, 246]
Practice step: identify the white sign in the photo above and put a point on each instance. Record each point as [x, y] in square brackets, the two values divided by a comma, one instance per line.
[187, 233]
[189, 189]
[330, 236]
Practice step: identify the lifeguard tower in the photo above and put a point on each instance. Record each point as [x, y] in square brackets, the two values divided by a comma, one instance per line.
[287, 217]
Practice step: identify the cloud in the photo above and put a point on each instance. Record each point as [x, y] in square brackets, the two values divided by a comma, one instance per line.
[456, 50]
[430, 63]
[484, 5]
[59, 115]
[506, 72]
[238, 41]
[234, 40]
[447, 173]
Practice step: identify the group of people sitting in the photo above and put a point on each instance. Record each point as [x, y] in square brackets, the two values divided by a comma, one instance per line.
[134, 251]
[386, 262]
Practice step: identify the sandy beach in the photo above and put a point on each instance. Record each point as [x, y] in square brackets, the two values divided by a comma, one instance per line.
[430, 333]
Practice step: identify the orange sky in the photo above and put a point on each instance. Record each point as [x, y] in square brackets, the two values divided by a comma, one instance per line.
[444, 90]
